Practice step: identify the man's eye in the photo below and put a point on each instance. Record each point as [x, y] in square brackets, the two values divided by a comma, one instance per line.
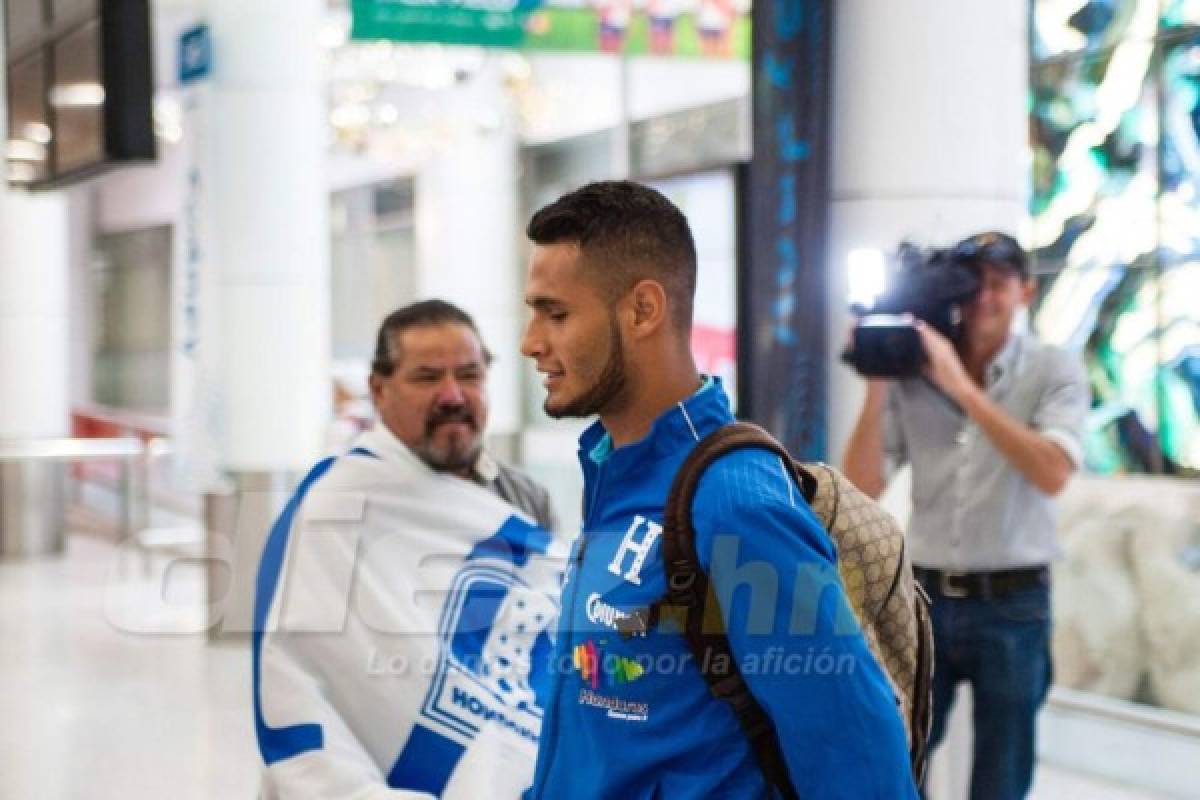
[557, 316]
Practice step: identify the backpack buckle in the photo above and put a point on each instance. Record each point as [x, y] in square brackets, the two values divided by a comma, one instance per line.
[638, 622]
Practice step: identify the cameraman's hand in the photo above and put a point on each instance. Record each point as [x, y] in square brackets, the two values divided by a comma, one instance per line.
[945, 368]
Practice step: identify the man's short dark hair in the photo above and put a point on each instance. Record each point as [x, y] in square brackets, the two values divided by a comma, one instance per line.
[626, 232]
[424, 314]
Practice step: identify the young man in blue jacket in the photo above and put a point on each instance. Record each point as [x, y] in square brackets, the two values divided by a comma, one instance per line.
[611, 284]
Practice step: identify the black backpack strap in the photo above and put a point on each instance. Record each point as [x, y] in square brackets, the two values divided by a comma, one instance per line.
[690, 598]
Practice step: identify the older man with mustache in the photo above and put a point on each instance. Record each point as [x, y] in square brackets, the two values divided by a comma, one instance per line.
[406, 594]
[428, 382]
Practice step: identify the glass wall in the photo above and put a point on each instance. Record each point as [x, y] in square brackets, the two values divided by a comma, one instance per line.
[131, 338]
[1115, 121]
[373, 261]
[1115, 207]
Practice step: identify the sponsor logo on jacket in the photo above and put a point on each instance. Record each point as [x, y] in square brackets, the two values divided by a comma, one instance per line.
[615, 706]
[595, 667]
[601, 613]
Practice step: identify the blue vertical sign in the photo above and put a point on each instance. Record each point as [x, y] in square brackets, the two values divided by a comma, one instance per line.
[195, 54]
[195, 369]
[784, 344]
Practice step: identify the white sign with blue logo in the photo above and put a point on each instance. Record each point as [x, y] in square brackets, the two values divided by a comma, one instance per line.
[195, 54]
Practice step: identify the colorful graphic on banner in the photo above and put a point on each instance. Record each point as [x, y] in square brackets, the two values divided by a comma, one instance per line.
[684, 28]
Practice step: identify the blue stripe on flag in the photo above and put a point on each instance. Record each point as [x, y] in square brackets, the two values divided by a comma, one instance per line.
[277, 744]
[515, 542]
[426, 762]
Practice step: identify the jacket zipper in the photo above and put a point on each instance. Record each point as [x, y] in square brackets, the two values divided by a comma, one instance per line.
[551, 719]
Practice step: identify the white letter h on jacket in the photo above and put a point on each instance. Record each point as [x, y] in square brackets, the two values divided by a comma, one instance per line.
[639, 549]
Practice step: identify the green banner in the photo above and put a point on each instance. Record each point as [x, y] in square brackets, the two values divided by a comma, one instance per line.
[709, 29]
[448, 23]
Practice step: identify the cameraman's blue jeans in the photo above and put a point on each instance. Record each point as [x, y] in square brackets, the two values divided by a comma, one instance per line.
[1001, 647]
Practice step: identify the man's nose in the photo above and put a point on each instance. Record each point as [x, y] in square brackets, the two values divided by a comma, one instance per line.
[530, 346]
[450, 392]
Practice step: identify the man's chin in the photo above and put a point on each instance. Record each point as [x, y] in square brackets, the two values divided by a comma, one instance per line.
[562, 409]
[996, 332]
[452, 459]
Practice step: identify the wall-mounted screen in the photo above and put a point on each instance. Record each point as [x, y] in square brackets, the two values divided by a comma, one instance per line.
[29, 134]
[79, 88]
[23, 22]
[68, 11]
[77, 99]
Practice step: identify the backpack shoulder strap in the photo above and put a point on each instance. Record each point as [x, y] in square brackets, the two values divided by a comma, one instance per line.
[734, 436]
[690, 598]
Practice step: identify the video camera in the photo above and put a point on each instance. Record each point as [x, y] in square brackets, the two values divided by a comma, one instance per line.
[932, 285]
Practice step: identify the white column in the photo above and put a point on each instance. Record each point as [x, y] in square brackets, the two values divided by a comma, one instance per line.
[34, 264]
[468, 232]
[929, 132]
[270, 222]
[35, 260]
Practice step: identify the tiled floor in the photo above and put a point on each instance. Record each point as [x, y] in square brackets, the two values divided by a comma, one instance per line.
[105, 694]
[89, 710]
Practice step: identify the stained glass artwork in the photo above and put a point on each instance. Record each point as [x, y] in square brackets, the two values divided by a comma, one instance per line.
[1115, 206]
[1063, 27]
[1180, 13]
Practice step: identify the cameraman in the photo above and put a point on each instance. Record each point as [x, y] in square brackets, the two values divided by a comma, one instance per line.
[993, 431]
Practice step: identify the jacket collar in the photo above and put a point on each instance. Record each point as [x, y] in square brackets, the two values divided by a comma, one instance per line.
[676, 429]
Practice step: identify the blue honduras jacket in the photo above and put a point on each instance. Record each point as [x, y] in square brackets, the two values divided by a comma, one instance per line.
[633, 718]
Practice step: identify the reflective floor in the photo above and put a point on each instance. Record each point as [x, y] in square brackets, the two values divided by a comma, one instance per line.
[107, 690]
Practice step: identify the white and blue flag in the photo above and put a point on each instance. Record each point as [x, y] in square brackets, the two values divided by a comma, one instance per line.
[402, 630]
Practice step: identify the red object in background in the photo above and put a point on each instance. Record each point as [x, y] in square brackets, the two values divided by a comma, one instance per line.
[715, 349]
[97, 423]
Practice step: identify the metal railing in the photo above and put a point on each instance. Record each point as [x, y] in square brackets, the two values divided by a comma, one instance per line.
[33, 491]
[70, 449]
[33, 488]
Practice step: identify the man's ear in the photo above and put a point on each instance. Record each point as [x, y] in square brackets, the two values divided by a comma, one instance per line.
[375, 383]
[647, 308]
[1029, 290]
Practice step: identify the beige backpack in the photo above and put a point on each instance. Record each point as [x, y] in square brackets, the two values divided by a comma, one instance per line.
[891, 607]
